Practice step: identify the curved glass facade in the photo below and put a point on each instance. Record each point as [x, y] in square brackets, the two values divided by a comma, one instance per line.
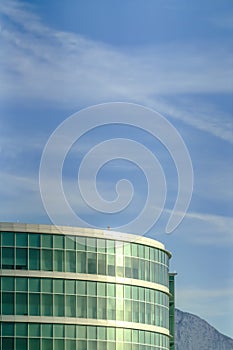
[87, 290]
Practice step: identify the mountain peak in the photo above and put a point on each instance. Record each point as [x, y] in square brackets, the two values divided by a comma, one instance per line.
[194, 333]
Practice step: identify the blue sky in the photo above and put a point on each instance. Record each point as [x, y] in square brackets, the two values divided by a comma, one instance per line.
[59, 57]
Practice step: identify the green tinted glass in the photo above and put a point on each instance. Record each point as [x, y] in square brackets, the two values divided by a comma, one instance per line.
[8, 239]
[21, 239]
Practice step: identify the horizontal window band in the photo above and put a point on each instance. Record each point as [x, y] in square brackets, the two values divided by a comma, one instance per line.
[78, 231]
[85, 277]
[85, 322]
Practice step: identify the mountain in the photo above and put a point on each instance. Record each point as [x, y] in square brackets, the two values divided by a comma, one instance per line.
[193, 333]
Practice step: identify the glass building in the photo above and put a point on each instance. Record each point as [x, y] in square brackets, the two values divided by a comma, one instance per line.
[66, 288]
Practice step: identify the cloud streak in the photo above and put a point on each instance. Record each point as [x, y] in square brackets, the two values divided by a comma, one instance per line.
[39, 63]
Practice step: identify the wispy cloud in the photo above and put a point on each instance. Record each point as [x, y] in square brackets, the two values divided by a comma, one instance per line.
[208, 303]
[61, 67]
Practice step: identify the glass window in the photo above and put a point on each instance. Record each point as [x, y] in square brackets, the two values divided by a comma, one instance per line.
[147, 295]
[58, 286]
[101, 264]
[34, 240]
[148, 313]
[70, 261]
[111, 290]
[46, 285]
[34, 259]
[111, 309]
[119, 334]
[21, 329]
[70, 344]
[8, 303]
[81, 332]
[47, 241]
[58, 260]
[142, 294]
[21, 239]
[127, 335]
[119, 309]
[81, 262]
[103, 345]
[21, 304]
[82, 345]
[58, 241]
[58, 305]
[46, 330]
[81, 307]
[91, 263]
[46, 305]
[8, 284]
[135, 293]
[34, 344]
[91, 307]
[120, 264]
[119, 290]
[34, 329]
[147, 270]
[147, 253]
[152, 271]
[21, 258]
[91, 332]
[101, 306]
[101, 333]
[135, 267]
[81, 287]
[70, 306]
[135, 336]
[142, 336]
[152, 312]
[47, 344]
[81, 243]
[91, 244]
[8, 239]
[135, 311]
[127, 291]
[59, 344]
[58, 330]
[8, 258]
[111, 265]
[110, 247]
[70, 287]
[34, 304]
[70, 242]
[21, 284]
[101, 245]
[92, 345]
[46, 260]
[34, 284]
[141, 251]
[7, 329]
[111, 333]
[21, 344]
[134, 250]
[128, 272]
[141, 312]
[128, 310]
[101, 289]
[7, 343]
[141, 269]
[70, 331]
[91, 288]
[127, 249]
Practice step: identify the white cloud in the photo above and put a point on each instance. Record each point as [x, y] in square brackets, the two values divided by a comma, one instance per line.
[210, 304]
[66, 68]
